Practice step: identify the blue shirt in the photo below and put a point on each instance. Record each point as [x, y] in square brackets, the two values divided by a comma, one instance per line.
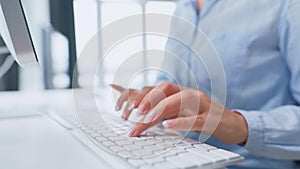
[259, 46]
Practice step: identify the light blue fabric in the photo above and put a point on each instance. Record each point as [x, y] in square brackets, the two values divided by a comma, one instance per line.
[259, 46]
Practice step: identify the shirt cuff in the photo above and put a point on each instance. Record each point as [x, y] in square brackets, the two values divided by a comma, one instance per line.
[256, 131]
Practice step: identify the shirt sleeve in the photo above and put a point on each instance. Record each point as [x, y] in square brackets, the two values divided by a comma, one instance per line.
[276, 133]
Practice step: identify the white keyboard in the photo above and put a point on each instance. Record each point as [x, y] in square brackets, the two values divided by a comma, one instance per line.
[156, 148]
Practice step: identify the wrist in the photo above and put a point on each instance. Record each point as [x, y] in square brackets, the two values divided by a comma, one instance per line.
[232, 128]
[243, 127]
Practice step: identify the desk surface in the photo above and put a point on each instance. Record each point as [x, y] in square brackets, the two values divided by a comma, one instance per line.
[29, 140]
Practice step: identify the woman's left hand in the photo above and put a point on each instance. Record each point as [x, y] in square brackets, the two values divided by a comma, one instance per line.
[192, 110]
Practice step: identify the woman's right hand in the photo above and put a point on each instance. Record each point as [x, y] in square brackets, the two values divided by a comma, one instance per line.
[144, 99]
[133, 98]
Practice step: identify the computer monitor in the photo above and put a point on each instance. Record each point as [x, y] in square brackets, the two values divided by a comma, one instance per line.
[15, 32]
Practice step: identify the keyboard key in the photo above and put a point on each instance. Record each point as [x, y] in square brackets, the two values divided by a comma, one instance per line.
[184, 145]
[159, 152]
[94, 135]
[154, 140]
[108, 143]
[173, 152]
[88, 131]
[165, 165]
[213, 157]
[154, 147]
[116, 149]
[204, 146]
[226, 154]
[142, 153]
[144, 143]
[124, 142]
[125, 154]
[102, 130]
[117, 138]
[132, 147]
[165, 145]
[194, 159]
[121, 132]
[137, 162]
[101, 139]
[168, 137]
[155, 159]
[109, 134]
[146, 166]
[151, 133]
[173, 141]
[180, 162]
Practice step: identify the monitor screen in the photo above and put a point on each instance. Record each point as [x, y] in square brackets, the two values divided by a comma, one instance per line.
[15, 32]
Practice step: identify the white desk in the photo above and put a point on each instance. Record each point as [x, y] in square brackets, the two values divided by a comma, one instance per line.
[29, 141]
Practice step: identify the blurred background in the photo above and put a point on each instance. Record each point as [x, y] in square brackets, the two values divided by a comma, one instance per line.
[61, 29]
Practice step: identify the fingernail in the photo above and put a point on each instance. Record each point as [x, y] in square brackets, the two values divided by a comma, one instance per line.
[141, 109]
[131, 132]
[118, 108]
[152, 115]
[128, 134]
[134, 102]
[131, 106]
[123, 116]
[169, 124]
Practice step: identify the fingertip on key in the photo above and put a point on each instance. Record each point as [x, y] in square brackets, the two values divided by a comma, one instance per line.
[117, 108]
[131, 132]
[131, 106]
[141, 110]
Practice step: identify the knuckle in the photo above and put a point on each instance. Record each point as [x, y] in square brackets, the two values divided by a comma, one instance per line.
[188, 91]
[146, 88]
[141, 93]
[201, 93]
[132, 92]
[165, 85]
[199, 123]
[200, 119]
[190, 95]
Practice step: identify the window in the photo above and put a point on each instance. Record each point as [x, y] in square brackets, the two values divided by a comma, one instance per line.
[101, 14]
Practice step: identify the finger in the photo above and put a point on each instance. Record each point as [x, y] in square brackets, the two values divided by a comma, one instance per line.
[127, 111]
[168, 108]
[139, 128]
[192, 123]
[121, 100]
[130, 106]
[150, 101]
[117, 87]
[141, 95]
[156, 95]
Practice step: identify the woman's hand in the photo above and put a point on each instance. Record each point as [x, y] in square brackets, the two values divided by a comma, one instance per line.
[131, 96]
[145, 99]
[190, 110]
